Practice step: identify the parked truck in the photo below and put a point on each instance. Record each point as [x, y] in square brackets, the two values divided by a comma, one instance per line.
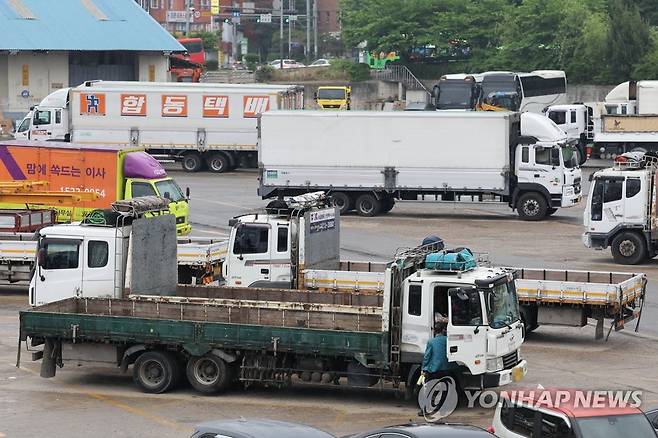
[621, 210]
[274, 336]
[333, 97]
[109, 172]
[368, 160]
[626, 121]
[200, 125]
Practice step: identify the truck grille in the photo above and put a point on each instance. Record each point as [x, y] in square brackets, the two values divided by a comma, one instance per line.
[510, 360]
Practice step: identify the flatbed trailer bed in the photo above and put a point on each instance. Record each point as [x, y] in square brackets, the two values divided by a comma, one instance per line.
[570, 297]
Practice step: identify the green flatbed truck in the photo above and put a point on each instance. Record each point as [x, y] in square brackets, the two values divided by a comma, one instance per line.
[321, 332]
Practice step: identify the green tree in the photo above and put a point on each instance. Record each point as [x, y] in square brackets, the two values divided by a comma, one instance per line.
[629, 38]
[647, 67]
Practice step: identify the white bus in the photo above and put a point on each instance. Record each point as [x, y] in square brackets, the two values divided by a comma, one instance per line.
[537, 89]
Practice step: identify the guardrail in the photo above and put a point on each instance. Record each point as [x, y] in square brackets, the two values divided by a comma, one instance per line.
[400, 73]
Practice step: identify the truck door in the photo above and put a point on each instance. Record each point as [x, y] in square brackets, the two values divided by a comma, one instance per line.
[98, 270]
[607, 204]
[23, 130]
[249, 261]
[42, 124]
[416, 317]
[467, 338]
[548, 168]
[635, 201]
[280, 256]
[58, 273]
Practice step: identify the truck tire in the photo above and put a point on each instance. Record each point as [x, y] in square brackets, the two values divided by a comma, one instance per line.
[629, 248]
[208, 374]
[368, 205]
[532, 206]
[218, 163]
[343, 201]
[387, 204]
[192, 162]
[155, 371]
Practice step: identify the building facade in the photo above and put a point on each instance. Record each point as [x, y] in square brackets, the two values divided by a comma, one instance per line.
[172, 15]
[328, 16]
[43, 49]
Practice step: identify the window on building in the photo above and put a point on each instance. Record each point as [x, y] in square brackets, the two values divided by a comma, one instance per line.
[155, 4]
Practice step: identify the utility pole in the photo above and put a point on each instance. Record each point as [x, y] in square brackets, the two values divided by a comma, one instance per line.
[307, 47]
[281, 35]
[291, 7]
[315, 28]
[187, 17]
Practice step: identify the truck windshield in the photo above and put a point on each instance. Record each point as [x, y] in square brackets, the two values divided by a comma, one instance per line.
[455, 96]
[615, 426]
[569, 157]
[331, 93]
[502, 305]
[169, 189]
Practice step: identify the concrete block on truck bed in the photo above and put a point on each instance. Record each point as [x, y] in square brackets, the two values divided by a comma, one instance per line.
[154, 270]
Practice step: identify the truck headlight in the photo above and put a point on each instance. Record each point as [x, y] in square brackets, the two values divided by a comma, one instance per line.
[495, 364]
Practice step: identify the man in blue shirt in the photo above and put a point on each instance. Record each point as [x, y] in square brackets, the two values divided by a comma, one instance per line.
[435, 360]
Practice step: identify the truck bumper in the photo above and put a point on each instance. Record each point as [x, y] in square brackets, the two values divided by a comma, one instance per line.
[495, 379]
[183, 229]
[594, 241]
[571, 196]
[504, 377]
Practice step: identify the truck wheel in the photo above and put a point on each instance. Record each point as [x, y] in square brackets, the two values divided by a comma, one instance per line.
[156, 372]
[192, 162]
[218, 163]
[343, 201]
[368, 205]
[387, 204]
[532, 206]
[629, 248]
[208, 374]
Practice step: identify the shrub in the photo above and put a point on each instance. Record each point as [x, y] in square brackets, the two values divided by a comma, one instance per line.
[356, 72]
[264, 74]
[212, 65]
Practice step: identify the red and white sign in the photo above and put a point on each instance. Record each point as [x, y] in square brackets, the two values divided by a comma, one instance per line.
[174, 105]
[255, 105]
[133, 104]
[215, 106]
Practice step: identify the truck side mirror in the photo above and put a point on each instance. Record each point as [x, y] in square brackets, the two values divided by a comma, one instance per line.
[187, 192]
[167, 196]
[41, 256]
[315, 95]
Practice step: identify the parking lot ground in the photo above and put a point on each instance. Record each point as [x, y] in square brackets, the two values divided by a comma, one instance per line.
[104, 403]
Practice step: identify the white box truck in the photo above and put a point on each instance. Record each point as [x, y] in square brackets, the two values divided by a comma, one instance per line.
[367, 160]
[200, 125]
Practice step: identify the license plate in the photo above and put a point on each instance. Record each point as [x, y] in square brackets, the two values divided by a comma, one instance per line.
[517, 374]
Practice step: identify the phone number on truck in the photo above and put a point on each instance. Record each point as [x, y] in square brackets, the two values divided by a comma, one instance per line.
[99, 192]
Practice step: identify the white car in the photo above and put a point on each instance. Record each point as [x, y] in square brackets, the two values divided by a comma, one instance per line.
[320, 63]
[287, 63]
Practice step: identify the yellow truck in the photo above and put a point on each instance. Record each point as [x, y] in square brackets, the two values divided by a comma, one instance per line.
[333, 97]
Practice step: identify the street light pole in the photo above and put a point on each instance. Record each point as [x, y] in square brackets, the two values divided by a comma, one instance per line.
[281, 36]
[307, 47]
[315, 27]
[291, 7]
[187, 17]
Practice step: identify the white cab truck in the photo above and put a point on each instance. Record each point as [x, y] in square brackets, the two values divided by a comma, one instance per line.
[626, 121]
[367, 160]
[321, 331]
[198, 259]
[621, 210]
[209, 126]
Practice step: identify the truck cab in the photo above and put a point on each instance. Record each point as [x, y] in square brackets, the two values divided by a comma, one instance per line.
[333, 97]
[619, 212]
[485, 331]
[577, 121]
[456, 94]
[546, 165]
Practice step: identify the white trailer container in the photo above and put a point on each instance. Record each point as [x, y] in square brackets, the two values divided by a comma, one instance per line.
[367, 160]
[211, 125]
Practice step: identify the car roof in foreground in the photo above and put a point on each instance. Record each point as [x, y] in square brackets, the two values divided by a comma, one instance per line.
[427, 430]
[259, 428]
[571, 407]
